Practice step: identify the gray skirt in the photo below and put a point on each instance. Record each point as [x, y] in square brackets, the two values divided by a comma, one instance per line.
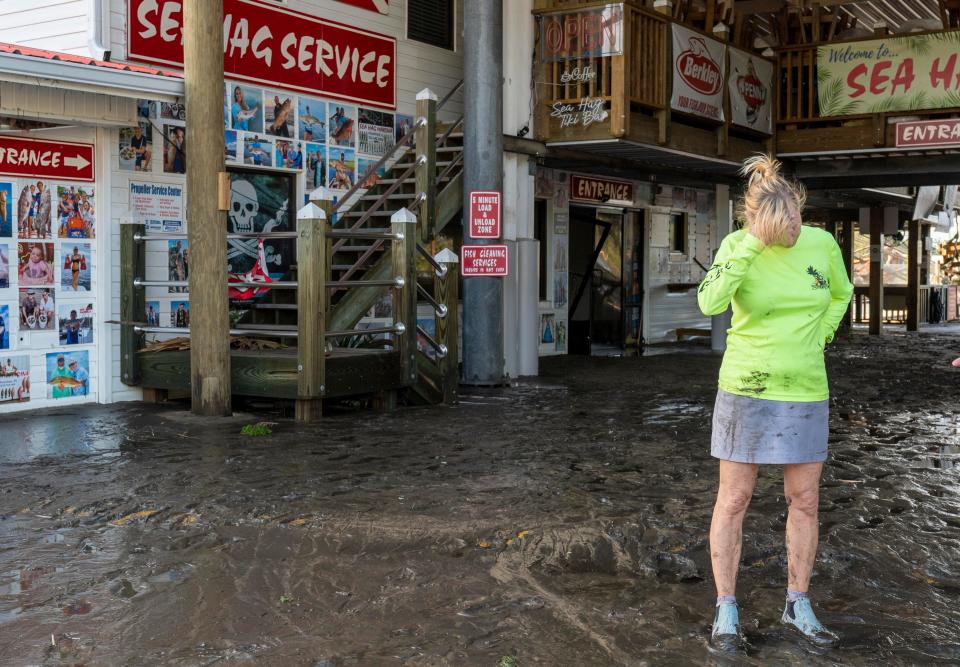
[756, 430]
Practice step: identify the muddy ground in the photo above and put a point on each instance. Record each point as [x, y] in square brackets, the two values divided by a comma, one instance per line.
[559, 522]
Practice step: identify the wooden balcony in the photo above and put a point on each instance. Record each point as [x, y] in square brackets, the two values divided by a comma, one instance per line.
[622, 100]
[804, 128]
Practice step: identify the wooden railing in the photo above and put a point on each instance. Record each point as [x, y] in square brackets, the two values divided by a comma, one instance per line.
[797, 99]
[648, 51]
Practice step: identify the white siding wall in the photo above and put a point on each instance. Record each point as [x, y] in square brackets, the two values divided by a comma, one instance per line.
[58, 25]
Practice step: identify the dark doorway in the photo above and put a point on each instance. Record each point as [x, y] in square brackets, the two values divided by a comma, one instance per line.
[597, 321]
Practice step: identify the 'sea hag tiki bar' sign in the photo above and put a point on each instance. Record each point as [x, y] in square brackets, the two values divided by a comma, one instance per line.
[890, 74]
[275, 46]
[484, 214]
[46, 159]
[489, 261]
[602, 190]
[699, 65]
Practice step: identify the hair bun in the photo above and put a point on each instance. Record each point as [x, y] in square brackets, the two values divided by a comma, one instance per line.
[759, 169]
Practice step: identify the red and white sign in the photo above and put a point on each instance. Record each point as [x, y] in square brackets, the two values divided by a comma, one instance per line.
[750, 86]
[46, 159]
[382, 6]
[945, 132]
[484, 214]
[603, 190]
[698, 74]
[484, 260]
[275, 46]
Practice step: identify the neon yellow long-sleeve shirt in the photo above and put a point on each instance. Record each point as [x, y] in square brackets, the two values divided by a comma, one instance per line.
[787, 304]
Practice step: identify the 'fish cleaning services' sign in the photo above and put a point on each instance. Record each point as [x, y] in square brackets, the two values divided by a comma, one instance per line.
[699, 67]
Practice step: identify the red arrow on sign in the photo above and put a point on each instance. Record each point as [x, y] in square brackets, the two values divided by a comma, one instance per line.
[38, 158]
[382, 6]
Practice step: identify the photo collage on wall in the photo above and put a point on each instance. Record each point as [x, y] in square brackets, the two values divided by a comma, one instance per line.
[47, 240]
[333, 143]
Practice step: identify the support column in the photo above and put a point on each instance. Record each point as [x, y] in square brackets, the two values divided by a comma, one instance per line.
[849, 226]
[719, 324]
[483, 170]
[876, 271]
[206, 223]
[913, 276]
[925, 255]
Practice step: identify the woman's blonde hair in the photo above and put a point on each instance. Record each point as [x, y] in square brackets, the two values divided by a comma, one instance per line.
[769, 197]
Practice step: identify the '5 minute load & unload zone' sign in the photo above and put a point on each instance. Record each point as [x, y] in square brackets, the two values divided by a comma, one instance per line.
[484, 214]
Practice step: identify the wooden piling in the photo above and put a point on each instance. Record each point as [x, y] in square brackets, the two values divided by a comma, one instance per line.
[876, 271]
[311, 312]
[426, 155]
[132, 302]
[913, 276]
[405, 297]
[206, 223]
[446, 290]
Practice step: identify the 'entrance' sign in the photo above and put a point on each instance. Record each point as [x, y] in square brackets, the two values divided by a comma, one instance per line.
[484, 214]
[943, 132]
[489, 261]
[46, 159]
[601, 190]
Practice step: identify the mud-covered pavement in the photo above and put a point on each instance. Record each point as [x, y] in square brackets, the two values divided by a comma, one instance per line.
[561, 522]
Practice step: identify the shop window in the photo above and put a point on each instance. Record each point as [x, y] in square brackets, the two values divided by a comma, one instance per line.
[540, 233]
[678, 233]
[431, 22]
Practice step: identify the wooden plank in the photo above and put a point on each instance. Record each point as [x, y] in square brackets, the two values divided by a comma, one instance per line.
[207, 228]
[621, 84]
[312, 271]
[133, 306]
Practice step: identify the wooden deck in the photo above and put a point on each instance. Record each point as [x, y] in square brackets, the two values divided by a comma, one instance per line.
[273, 374]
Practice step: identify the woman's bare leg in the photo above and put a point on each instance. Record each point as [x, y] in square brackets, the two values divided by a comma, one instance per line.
[801, 488]
[733, 497]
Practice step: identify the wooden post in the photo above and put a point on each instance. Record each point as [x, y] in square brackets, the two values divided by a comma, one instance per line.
[311, 315]
[913, 276]
[876, 270]
[132, 302]
[722, 33]
[426, 151]
[446, 290]
[622, 80]
[405, 297]
[322, 198]
[847, 250]
[665, 7]
[925, 255]
[206, 223]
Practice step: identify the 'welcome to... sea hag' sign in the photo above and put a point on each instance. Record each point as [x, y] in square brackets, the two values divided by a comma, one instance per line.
[892, 74]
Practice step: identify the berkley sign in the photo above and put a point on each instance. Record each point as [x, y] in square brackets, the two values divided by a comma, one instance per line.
[602, 190]
[275, 46]
[491, 261]
[698, 74]
[945, 132]
[46, 159]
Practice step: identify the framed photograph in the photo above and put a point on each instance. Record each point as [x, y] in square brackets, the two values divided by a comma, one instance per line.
[261, 201]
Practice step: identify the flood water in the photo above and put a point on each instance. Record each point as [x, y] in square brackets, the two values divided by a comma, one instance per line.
[559, 522]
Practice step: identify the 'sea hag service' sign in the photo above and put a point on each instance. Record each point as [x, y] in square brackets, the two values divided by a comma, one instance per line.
[484, 260]
[484, 214]
[275, 46]
[46, 159]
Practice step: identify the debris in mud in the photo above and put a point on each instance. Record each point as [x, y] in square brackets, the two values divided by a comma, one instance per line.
[134, 516]
[507, 661]
[257, 430]
[286, 599]
[78, 608]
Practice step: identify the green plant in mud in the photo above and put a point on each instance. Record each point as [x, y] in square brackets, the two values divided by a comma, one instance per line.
[507, 661]
[257, 430]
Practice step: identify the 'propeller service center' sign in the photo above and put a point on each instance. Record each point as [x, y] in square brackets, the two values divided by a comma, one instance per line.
[46, 159]
[275, 46]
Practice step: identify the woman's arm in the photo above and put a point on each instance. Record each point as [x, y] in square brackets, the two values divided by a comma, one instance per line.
[841, 289]
[728, 271]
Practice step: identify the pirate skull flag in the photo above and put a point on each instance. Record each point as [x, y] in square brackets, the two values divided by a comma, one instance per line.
[259, 204]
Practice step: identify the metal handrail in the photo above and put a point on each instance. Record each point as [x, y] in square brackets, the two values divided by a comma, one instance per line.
[273, 333]
[446, 98]
[175, 237]
[458, 158]
[275, 284]
[439, 348]
[438, 308]
[446, 135]
[397, 282]
[383, 197]
[398, 329]
[382, 234]
[359, 185]
[441, 269]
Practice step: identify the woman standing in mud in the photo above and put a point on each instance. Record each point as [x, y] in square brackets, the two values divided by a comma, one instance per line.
[789, 289]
